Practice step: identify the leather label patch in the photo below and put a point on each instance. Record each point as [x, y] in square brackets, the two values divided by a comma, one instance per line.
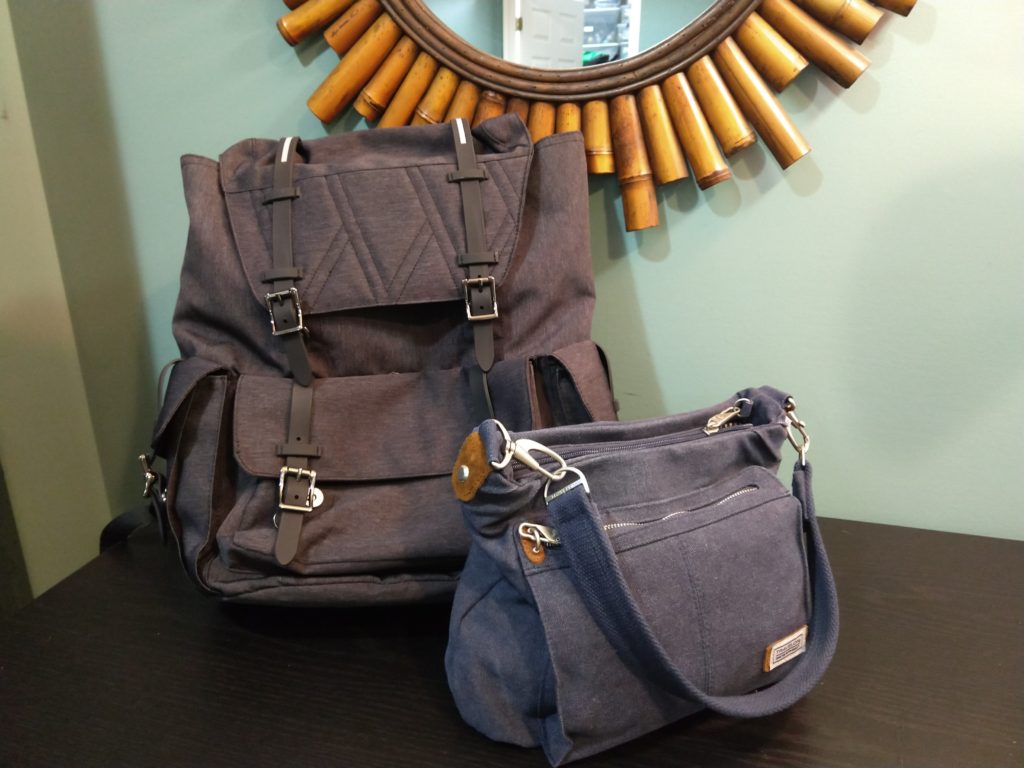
[785, 649]
[471, 468]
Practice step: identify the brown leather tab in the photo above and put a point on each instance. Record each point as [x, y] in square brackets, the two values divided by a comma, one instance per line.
[289, 530]
[471, 468]
[534, 552]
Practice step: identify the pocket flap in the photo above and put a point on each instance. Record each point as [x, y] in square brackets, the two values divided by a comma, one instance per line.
[389, 426]
[377, 222]
[184, 377]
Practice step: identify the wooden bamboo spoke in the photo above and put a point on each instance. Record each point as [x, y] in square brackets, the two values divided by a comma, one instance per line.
[310, 17]
[902, 7]
[401, 108]
[541, 122]
[663, 148]
[829, 53]
[435, 101]
[853, 18]
[355, 70]
[491, 105]
[568, 118]
[351, 25]
[708, 164]
[759, 104]
[597, 137]
[517, 106]
[464, 102]
[377, 94]
[723, 113]
[639, 204]
[777, 61]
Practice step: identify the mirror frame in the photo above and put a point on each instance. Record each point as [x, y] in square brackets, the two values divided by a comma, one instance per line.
[601, 81]
[672, 112]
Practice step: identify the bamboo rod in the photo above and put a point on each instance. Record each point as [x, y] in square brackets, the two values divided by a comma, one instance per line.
[541, 122]
[491, 104]
[568, 118]
[902, 7]
[663, 148]
[295, 26]
[853, 18]
[377, 94]
[708, 164]
[777, 61]
[433, 105]
[464, 102]
[720, 108]
[597, 137]
[639, 203]
[760, 105]
[519, 106]
[834, 57]
[351, 25]
[355, 70]
[403, 104]
[293, 4]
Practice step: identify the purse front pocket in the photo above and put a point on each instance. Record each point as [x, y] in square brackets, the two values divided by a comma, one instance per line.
[720, 575]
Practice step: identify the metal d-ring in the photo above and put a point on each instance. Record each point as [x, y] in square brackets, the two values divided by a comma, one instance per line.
[509, 447]
[582, 480]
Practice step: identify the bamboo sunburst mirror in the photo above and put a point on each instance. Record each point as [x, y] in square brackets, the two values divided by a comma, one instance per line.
[695, 98]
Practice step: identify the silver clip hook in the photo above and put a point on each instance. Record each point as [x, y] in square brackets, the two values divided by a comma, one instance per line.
[521, 451]
[793, 421]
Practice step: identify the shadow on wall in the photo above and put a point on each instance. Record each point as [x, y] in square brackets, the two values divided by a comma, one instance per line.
[619, 315]
[65, 87]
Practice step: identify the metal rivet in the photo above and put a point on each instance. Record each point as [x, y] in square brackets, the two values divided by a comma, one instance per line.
[463, 473]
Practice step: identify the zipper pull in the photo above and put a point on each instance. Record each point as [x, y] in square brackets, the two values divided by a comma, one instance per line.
[721, 419]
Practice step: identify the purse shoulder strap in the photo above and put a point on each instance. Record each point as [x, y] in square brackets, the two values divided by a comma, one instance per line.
[595, 572]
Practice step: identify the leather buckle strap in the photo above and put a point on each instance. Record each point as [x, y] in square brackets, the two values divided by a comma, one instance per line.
[470, 283]
[296, 489]
[285, 312]
[479, 286]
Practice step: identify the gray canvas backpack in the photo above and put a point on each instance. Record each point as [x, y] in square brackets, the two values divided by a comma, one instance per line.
[350, 308]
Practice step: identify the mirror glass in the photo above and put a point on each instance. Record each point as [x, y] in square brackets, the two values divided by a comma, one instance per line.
[556, 34]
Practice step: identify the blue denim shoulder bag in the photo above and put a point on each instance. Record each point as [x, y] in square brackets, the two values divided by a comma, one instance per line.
[624, 575]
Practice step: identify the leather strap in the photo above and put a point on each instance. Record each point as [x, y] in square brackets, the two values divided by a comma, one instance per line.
[297, 483]
[283, 299]
[594, 570]
[479, 285]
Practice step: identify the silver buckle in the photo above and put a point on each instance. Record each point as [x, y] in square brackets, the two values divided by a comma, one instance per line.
[299, 473]
[479, 282]
[291, 294]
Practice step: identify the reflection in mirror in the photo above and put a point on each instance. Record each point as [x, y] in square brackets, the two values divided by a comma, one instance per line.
[558, 34]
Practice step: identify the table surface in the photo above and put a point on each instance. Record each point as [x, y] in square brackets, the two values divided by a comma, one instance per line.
[125, 663]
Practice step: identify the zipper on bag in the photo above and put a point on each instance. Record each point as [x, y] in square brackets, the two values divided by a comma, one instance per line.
[720, 422]
[545, 536]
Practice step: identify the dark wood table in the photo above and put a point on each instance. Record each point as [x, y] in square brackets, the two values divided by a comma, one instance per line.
[126, 664]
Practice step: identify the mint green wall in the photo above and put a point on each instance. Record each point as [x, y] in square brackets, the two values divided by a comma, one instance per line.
[879, 279]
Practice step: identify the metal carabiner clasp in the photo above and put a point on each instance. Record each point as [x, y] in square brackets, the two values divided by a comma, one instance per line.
[521, 450]
[805, 439]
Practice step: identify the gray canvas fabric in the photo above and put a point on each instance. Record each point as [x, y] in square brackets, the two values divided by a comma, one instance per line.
[376, 228]
[710, 549]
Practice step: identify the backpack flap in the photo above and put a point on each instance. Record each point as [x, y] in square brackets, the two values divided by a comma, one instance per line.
[377, 222]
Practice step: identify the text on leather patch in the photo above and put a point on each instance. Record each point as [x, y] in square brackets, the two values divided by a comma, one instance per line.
[785, 649]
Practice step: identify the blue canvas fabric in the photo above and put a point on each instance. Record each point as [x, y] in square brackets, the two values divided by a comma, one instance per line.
[686, 560]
